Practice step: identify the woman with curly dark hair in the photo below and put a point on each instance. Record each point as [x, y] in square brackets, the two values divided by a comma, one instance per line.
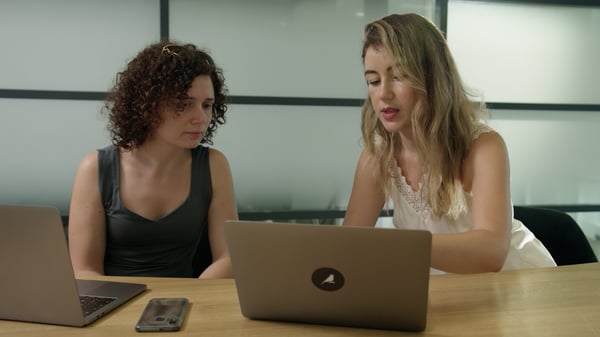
[143, 205]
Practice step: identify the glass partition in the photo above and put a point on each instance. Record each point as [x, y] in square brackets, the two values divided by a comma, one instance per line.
[72, 45]
[527, 53]
[299, 48]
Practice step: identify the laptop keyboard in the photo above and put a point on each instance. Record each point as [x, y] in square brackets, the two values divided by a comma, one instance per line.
[89, 304]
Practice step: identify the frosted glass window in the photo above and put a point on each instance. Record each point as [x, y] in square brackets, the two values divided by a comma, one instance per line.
[76, 45]
[527, 53]
[42, 144]
[553, 159]
[284, 48]
[281, 157]
[550, 155]
[291, 158]
[426, 8]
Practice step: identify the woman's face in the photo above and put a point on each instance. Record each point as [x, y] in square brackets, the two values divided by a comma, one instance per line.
[391, 94]
[187, 128]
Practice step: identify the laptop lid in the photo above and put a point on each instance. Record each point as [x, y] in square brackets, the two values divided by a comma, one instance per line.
[37, 283]
[351, 276]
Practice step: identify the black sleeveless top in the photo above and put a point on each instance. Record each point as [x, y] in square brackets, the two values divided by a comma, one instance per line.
[136, 246]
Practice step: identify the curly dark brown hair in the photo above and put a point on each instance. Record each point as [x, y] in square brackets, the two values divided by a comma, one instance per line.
[162, 72]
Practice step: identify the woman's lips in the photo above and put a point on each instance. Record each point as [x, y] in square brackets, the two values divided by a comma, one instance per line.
[389, 113]
[195, 134]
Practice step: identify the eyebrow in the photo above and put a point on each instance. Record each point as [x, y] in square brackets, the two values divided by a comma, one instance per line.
[192, 98]
[368, 72]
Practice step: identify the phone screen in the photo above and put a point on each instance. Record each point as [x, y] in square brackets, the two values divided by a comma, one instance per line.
[163, 314]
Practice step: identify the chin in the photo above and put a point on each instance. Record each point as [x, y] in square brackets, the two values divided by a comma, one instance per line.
[401, 123]
[190, 145]
[391, 127]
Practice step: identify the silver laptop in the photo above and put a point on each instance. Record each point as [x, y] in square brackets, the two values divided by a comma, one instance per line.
[333, 275]
[37, 283]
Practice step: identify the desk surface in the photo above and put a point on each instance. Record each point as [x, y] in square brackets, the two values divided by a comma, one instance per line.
[562, 301]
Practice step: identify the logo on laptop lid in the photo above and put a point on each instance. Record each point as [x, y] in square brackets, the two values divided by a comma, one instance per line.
[328, 279]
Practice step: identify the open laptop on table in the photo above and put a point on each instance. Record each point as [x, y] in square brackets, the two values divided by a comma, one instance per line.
[37, 283]
[350, 276]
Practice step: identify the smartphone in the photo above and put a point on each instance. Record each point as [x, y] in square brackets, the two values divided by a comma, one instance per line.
[163, 314]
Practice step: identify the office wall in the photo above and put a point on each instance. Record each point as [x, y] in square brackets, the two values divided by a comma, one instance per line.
[65, 46]
[282, 156]
[545, 58]
[298, 156]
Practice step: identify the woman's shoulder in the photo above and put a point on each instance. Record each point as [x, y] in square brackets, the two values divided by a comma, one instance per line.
[488, 152]
[480, 128]
[484, 136]
[88, 165]
[215, 153]
[216, 158]
[90, 160]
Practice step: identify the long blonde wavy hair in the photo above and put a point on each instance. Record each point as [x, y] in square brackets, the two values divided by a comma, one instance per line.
[443, 120]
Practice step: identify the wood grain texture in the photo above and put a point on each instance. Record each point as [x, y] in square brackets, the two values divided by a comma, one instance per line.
[561, 301]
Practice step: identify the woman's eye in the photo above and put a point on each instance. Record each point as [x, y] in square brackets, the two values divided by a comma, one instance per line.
[187, 106]
[400, 77]
[373, 82]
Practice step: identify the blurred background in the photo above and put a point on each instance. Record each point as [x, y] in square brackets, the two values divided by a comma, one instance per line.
[294, 74]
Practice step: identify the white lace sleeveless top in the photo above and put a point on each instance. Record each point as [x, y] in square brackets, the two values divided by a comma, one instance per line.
[412, 211]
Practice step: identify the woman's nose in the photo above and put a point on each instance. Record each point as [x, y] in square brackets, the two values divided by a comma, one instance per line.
[201, 115]
[385, 90]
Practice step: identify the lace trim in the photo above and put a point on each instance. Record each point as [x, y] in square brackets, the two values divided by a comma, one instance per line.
[481, 129]
[416, 200]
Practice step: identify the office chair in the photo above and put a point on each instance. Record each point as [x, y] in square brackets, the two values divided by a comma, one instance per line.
[65, 223]
[559, 232]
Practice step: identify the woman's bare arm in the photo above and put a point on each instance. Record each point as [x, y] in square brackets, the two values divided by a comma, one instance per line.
[222, 207]
[87, 230]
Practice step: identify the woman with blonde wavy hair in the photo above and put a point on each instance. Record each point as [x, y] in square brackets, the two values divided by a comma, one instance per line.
[426, 149]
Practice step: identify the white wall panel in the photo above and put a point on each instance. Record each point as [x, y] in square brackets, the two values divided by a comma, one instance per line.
[527, 53]
[75, 45]
[42, 144]
[281, 159]
[278, 48]
[554, 158]
[291, 158]
[298, 157]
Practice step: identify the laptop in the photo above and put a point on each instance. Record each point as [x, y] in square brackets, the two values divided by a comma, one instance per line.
[349, 276]
[38, 283]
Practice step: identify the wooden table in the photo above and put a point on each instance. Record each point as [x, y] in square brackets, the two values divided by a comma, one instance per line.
[562, 301]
